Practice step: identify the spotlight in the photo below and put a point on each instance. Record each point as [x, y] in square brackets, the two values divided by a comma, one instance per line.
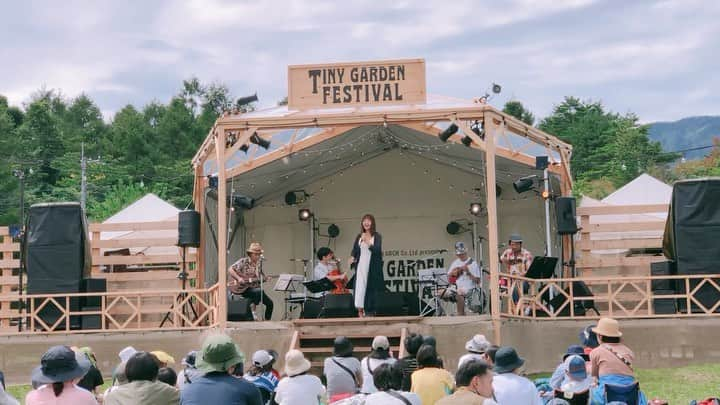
[496, 88]
[524, 184]
[448, 132]
[244, 148]
[242, 201]
[477, 127]
[541, 162]
[475, 208]
[453, 228]
[257, 140]
[545, 194]
[296, 197]
[304, 214]
[467, 141]
[333, 231]
[246, 100]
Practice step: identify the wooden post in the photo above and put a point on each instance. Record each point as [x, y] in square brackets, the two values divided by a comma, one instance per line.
[200, 207]
[222, 226]
[491, 132]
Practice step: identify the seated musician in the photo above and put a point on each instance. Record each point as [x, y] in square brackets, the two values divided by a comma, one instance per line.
[465, 272]
[244, 279]
[516, 261]
[328, 267]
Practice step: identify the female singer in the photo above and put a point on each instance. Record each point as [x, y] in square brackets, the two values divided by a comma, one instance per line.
[367, 259]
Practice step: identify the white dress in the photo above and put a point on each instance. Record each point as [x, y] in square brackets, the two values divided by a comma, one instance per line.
[361, 272]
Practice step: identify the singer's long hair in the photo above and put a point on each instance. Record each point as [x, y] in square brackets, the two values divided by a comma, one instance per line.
[372, 221]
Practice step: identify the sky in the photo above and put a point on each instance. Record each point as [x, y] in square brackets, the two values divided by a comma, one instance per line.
[657, 59]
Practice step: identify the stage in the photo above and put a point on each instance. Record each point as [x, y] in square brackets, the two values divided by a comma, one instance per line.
[656, 342]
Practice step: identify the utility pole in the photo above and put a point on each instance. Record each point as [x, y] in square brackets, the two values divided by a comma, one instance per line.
[83, 177]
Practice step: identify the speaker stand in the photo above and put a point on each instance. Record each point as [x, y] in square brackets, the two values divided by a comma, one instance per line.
[188, 307]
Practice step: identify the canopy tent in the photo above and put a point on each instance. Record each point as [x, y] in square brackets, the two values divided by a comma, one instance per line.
[308, 145]
[149, 208]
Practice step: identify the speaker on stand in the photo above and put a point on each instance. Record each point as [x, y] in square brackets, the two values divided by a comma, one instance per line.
[188, 236]
[567, 225]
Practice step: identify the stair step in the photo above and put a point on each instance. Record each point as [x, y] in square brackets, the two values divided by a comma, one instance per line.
[349, 336]
[356, 350]
[355, 321]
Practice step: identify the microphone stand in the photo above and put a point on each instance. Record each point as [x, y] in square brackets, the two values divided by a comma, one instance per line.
[262, 276]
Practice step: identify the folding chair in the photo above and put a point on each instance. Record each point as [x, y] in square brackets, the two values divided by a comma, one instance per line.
[623, 393]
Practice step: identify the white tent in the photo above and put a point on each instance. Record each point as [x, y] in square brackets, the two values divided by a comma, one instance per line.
[149, 208]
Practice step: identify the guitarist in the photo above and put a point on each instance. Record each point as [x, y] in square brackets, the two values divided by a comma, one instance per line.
[465, 273]
[244, 279]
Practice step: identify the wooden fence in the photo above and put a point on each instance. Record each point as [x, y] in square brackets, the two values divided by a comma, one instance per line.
[613, 296]
[628, 230]
[9, 267]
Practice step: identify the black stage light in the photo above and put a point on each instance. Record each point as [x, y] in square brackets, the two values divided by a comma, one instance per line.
[467, 141]
[453, 228]
[304, 214]
[475, 208]
[541, 162]
[496, 88]
[246, 100]
[333, 231]
[448, 132]
[212, 181]
[245, 148]
[242, 201]
[257, 140]
[295, 197]
[524, 184]
[477, 127]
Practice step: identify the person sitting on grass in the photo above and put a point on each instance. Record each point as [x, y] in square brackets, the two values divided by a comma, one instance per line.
[408, 364]
[575, 387]
[299, 387]
[60, 368]
[490, 355]
[260, 374]
[611, 362]
[380, 354]
[510, 387]
[588, 339]
[342, 371]
[388, 378]
[168, 376]
[474, 385]
[476, 348]
[142, 387]
[430, 381]
[559, 375]
[93, 378]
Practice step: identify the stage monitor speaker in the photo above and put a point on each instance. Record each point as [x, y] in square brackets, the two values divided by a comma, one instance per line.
[239, 309]
[49, 314]
[391, 304]
[666, 268]
[311, 309]
[90, 322]
[664, 306]
[338, 306]
[188, 228]
[93, 285]
[565, 210]
[57, 255]
[580, 289]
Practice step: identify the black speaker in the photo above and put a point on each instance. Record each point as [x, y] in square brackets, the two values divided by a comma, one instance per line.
[239, 309]
[57, 255]
[666, 268]
[311, 309]
[93, 285]
[90, 322]
[565, 213]
[188, 228]
[391, 304]
[338, 306]
[50, 313]
[664, 305]
[580, 289]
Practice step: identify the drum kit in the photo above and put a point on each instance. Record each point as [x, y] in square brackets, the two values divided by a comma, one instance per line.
[435, 290]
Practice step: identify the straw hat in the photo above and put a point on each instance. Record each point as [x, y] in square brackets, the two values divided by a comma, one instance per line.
[255, 247]
[607, 327]
[163, 357]
[296, 363]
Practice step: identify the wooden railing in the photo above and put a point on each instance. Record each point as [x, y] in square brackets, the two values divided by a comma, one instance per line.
[616, 297]
[9, 267]
[119, 311]
[624, 228]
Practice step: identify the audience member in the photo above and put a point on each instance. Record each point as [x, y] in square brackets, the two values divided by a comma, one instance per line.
[142, 387]
[509, 386]
[431, 341]
[430, 381]
[408, 364]
[274, 356]
[388, 378]
[164, 358]
[342, 371]
[260, 374]
[93, 378]
[476, 348]
[611, 362]
[6, 398]
[60, 368]
[490, 355]
[217, 361]
[2, 380]
[189, 371]
[575, 387]
[588, 339]
[380, 354]
[168, 376]
[474, 385]
[558, 375]
[299, 387]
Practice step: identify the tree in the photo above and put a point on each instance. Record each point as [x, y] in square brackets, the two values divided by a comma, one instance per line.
[518, 110]
[606, 145]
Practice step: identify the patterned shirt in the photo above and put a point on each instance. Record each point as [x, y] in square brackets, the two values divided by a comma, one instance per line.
[245, 268]
[516, 263]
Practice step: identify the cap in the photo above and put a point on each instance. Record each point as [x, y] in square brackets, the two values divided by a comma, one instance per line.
[380, 342]
[460, 248]
[261, 358]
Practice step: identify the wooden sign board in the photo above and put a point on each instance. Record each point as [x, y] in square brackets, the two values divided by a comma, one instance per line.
[356, 83]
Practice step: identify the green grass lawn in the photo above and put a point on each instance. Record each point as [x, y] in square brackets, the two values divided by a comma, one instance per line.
[676, 385]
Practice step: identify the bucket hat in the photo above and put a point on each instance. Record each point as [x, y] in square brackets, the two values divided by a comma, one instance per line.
[60, 364]
[478, 344]
[607, 327]
[588, 338]
[507, 360]
[575, 350]
[218, 353]
[296, 363]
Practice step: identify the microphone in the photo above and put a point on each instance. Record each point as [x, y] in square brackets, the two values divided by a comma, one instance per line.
[262, 258]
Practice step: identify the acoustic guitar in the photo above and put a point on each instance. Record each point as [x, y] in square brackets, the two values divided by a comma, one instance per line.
[240, 286]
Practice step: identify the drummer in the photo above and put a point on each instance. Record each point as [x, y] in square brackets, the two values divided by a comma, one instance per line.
[466, 273]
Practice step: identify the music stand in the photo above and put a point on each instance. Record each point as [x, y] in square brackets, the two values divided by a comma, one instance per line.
[319, 286]
[542, 267]
[288, 283]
